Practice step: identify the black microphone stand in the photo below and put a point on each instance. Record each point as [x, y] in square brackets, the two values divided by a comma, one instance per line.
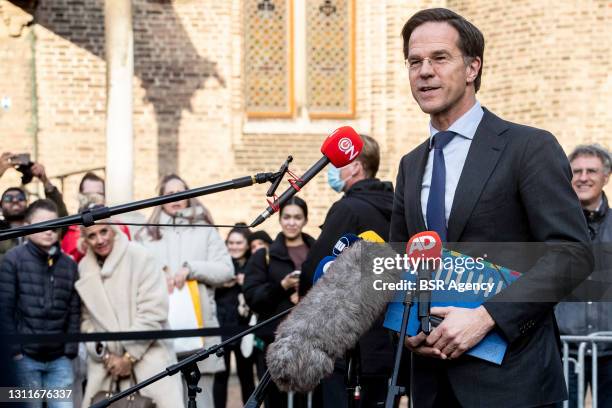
[427, 322]
[88, 217]
[258, 396]
[353, 377]
[189, 368]
[395, 391]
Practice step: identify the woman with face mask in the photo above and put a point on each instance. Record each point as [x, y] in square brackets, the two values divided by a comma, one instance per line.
[272, 277]
[194, 261]
[122, 290]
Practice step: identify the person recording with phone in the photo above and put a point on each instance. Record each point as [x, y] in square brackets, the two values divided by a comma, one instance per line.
[271, 282]
[14, 200]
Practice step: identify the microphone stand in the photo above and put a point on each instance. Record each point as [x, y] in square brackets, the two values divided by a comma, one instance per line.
[189, 368]
[395, 391]
[88, 217]
[258, 396]
[353, 377]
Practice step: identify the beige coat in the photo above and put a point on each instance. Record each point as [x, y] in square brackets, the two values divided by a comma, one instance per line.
[127, 294]
[205, 252]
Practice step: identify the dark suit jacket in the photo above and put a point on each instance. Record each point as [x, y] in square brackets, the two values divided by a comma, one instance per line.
[515, 187]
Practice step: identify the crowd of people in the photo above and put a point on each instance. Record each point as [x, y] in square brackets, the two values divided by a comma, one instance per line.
[134, 282]
[179, 272]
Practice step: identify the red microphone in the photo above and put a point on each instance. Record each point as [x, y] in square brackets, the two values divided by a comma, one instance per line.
[425, 253]
[340, 148]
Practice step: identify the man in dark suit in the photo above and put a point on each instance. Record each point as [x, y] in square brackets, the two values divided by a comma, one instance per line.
[479, 178]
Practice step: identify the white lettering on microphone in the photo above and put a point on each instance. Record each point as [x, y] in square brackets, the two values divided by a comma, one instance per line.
[346, 146]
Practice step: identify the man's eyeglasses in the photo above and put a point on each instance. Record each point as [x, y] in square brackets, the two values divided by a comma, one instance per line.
[414, 64]
[9, 198]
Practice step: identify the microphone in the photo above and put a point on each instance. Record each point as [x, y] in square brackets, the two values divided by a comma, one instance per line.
[371, 236]
[340, 148]
[331, 318]
[344, 242]
[424, 250]
[322, 268]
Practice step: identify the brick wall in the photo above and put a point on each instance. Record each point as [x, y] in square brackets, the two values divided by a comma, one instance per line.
[546, 65]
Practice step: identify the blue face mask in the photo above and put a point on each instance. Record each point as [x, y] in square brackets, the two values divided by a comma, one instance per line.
[334, 180]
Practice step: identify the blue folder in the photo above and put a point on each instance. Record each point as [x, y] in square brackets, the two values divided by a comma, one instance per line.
[493, 346]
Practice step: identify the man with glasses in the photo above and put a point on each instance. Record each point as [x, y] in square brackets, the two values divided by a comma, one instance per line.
[478, 178]
[589, 310]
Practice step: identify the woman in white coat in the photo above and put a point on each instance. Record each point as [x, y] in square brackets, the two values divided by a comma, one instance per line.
[121, 289]
[190, 253]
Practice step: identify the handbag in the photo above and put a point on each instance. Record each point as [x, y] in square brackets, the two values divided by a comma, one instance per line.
[134, 400]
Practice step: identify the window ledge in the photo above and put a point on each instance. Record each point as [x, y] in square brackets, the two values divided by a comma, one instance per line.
[302, 126]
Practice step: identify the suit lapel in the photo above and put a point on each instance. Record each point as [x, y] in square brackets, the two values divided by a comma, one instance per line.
[484, 153]
[414, 217]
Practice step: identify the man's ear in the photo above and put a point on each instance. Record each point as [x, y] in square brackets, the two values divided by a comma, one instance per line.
[472, 69]
[358, 168]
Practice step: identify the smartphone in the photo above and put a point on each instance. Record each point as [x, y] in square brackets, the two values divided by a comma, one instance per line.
[20, 159]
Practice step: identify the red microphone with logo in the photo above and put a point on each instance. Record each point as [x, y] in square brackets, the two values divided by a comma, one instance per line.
[340, 148]
[425, 253]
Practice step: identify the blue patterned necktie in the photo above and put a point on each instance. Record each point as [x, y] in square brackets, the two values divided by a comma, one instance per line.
[436, 214]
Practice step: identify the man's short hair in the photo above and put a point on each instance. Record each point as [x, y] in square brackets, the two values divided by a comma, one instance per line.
[91, 177]
[471, 40]
[596, 150]
[41, 204]
[369, 156]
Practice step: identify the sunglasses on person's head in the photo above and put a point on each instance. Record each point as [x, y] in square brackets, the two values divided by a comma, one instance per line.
[9, 198]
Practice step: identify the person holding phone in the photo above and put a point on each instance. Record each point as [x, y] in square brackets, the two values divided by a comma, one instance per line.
[272, 277]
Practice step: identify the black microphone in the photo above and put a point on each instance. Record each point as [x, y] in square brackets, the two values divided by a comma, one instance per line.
[340, 148]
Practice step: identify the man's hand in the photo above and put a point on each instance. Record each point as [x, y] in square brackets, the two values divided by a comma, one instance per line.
[5, 162]
[460, 330]
[417, 345]
[38, 171]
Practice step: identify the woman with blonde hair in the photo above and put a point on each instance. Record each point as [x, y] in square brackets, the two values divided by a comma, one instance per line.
[122, 290]
[194, 261]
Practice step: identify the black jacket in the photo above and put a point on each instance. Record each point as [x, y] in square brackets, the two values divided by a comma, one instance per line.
[227, 302]
[589, 308]
[367, 205]
[262, 282]
[515, 186]
[37, 296]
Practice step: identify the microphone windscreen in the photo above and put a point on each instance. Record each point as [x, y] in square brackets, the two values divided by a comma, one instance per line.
[331, 318]
[342, 146]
